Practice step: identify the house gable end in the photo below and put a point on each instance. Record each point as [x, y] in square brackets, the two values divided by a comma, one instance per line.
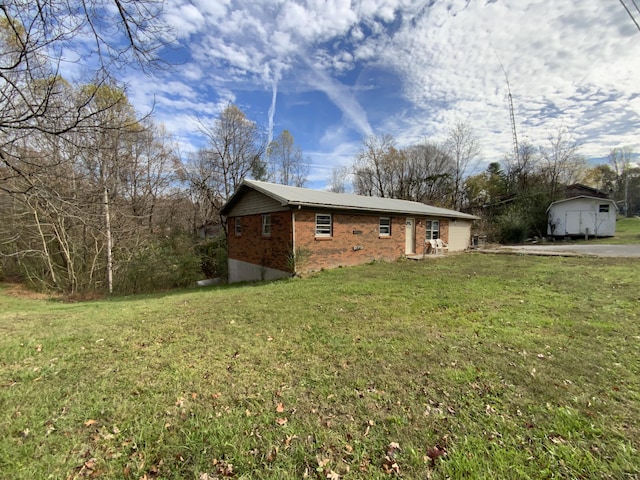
[252, 202]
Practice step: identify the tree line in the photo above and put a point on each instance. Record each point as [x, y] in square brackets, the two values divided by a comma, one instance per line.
[511, 196]
[96, 197]
[93, 196]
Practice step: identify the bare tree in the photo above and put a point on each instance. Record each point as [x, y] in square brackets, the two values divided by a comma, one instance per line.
[338, 182]
[35, 37]
[561, 163]
[521, 171]
[620, 162]
[463, 148]
[428, 177]
[234, 151]
[286, 163]
[375, 167]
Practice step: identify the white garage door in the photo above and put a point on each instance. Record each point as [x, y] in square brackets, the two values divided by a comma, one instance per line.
[459, 235]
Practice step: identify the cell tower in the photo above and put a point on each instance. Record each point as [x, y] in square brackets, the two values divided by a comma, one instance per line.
[516, 150]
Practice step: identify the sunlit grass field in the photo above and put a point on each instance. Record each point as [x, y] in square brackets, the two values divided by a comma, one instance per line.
[627, 232]
[465, 366]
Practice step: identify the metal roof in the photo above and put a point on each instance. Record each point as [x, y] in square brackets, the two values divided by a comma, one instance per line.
[305, 197]
[584, 197]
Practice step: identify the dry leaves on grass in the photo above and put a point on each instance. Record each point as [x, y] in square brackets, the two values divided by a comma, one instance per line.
[389, 464]
[222, 469]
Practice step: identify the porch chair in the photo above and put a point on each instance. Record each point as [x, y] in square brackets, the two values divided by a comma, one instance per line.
[441, 246]
[433, 249]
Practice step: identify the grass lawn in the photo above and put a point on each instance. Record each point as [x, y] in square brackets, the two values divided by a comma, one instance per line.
[467, 366]
[627, 232]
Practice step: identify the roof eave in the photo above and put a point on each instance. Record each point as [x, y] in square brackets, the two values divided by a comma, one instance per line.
[453, 214]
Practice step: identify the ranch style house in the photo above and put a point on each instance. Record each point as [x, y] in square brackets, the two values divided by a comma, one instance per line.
[276, 231]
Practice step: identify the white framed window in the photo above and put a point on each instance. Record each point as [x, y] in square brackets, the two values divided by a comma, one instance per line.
[238, 226]
[266, 225]
[385, 227]
[433, 229]
[323, 225]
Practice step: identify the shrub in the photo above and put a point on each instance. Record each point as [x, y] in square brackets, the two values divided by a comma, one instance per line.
[213, 257]
[171, 262]
[512, 226]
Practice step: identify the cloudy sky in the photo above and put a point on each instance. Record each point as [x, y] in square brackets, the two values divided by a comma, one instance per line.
[334, 71]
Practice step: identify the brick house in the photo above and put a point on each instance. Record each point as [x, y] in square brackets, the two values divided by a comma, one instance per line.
[275, 231]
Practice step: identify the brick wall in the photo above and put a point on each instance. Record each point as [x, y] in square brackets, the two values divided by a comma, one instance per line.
[339, 249]
[314, 253]
[250, 246]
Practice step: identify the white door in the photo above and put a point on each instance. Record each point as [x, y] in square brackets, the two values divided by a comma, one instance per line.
[410, 239]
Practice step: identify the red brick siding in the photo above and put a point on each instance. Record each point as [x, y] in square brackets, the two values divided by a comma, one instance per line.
[252, 247]
[274, 251]
[339, 249]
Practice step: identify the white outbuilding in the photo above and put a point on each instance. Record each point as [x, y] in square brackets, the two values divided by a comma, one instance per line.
[582, 216]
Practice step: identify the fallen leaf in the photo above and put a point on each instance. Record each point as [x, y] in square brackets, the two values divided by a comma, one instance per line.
[280, 408]
[289, 439]
[282, 421]
[89, 423]
[393, 446]
[271, 456]
[436, 452]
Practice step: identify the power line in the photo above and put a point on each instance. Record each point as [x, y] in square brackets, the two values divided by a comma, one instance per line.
[629, 11]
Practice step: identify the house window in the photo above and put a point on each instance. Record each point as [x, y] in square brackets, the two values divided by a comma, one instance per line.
[604, 208]
[433, 229]
[323, 224]
[238, 226]
[266, 225]
[385, 226]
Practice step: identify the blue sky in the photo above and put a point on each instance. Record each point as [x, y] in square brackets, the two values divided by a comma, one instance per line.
[332, 72]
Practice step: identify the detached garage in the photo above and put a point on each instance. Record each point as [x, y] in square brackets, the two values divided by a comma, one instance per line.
[582, 216]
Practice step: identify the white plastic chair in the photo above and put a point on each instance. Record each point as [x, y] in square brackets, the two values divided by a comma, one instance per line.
[441, 246]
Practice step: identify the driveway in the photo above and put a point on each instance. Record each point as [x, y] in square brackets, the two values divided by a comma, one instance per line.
[595, 250]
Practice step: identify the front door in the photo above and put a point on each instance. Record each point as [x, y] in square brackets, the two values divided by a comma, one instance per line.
[410, 239]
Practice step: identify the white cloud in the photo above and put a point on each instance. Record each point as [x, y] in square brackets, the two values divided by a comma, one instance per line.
[185, 19]
[571, 63]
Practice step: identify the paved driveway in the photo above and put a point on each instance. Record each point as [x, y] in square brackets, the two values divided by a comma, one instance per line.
[596, 250]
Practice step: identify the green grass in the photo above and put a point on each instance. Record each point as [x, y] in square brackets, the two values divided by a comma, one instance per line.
[515, 366]
[627, 232]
